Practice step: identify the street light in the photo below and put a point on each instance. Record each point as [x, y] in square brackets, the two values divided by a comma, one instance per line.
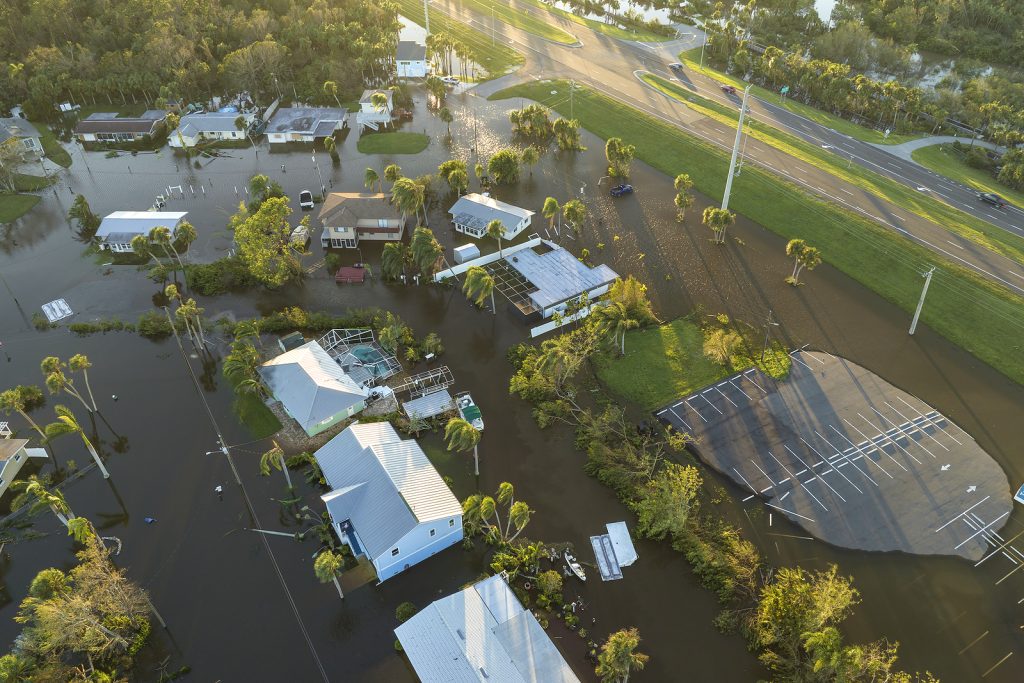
[323, 188]
[769, 323]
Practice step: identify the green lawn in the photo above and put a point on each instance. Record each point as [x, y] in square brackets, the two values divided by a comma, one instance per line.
[256, 416]
[14, 206]
[529, 21]
[52, 147]
[978, 230]
[611, 30]
[972, 312]
[393, 143]
[945, 160]
[495, 60]
[25, 182]
[691, 58]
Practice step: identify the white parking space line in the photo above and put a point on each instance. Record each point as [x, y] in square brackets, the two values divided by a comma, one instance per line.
[823, 460]
[744, 480]
[962, 514]
[801, 483]
[1004, 545]
[957, 547]
[932, 421]
[789, 512]
[856, 448]
[745, 374]
[726, 397]
[712, 404]
[740, 389]
[805, 466]
[815, 358]
[762, 472]
[905, 419]
[900, 429]
[688, 427]
[793, 356]
[695, 410]
[884, 435]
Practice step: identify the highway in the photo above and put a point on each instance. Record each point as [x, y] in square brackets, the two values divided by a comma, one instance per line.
[612, 67]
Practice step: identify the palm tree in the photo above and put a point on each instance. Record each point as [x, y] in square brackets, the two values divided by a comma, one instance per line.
[241, 363]
[392, 172]
[426, 250]
[275, 458]
[67, 424]
[446, 117]
[57, 381]
[328, 567]
[379, 101]
[331, 145]
[370, 177]
[462, 436]
[478, 286]
[188, 310]
[141, 246]
[394, 259]
[529, 157]
[718, 220]
[162, 236]
[619, 656]
[12, 401]
[615, 318]
[34, 488]
[496, 231]
[458, 181]
[575, 212]
[80, 362]
[331, 88]
[407, 195]
[185, 234]
[804, 256]
[550, 211]
[172, 294]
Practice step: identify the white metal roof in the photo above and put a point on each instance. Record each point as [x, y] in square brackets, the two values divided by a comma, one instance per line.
[481, 633]
[138, 222]
[558, 275]
[310, 384]
[382, 484]
[477, 211]
[625, 553]
[432, 404]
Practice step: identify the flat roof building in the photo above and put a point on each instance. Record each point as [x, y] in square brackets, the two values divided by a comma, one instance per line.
[117, 229]
[555, 278]
[304, 124]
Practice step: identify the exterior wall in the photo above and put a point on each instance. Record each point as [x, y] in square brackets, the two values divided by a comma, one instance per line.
[591, 295]
[412, 69]
[519, 227]
[509, 232]
[87, 137]
[176, 139]
[11, 468]
[418, 545]
[340, 417]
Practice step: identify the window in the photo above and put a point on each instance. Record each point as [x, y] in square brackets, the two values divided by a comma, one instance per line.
[451, 522]
[394, 552]
[382, 222]
[432, 532]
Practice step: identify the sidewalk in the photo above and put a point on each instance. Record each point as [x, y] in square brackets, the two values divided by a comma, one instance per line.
[904, 150]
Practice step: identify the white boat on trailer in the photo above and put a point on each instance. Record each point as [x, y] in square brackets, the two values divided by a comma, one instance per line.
[574, 566]
[469, 410]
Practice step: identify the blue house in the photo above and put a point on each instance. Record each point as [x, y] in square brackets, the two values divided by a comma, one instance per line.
[387, 502]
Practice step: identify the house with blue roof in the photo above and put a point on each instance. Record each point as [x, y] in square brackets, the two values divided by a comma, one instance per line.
[387, 502]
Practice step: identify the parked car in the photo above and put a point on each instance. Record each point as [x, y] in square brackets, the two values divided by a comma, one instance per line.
[621, 190]
[306, 200]
[993, 199]
[729, 89]
[450, 80]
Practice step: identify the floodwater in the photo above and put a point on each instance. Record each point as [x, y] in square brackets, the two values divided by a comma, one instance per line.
[214, 582]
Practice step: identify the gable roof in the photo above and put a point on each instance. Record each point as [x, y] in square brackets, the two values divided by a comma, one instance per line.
[130, 223]
[411, 51]
[310, 384]
[477, 211]
[481, 633]
[384, 485]
[210, 122]
[110, 122]
[9, 447]
[346, 209]
[306, 120]
[16, 127]
[366, 97]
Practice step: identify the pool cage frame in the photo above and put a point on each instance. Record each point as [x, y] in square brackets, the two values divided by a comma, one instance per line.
[340, 345]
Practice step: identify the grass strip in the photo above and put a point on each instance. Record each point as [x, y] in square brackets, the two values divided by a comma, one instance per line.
[24, 182]
[691, 59]
[398, 142]
[521, 19]
[979, 316]
[495, 60]
[14, 206]
[945, 160]
[975, 229]
[52, 148]
[610, 30]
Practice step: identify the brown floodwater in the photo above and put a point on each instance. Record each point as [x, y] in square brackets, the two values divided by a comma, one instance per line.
[229, 617]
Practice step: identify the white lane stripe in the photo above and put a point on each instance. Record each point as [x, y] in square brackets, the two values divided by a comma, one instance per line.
[905, 419]
[789, 512]
[801, 483]
[962, 514]
[858, 449]
[957, 547]
[805, 465]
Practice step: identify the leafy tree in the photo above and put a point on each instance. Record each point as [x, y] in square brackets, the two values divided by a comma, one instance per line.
[665, 501]
[619, 156]
[445, 114]
[426, 250]
[275, 458]
[804, 256]
[478, 286]
[530, 157]
[614, 318]
[503, 166]
[328, 566]
[462, 436]
[551, 210]
[252, 67]
[619, 658]
[67, 424]
[720, 345]
[371, 178]
[633, 295]
[549, 583]
[264, 243]
[575, 212]
[683, 200]
[81, 213]
[405, 611]
[496, 231]
[16, 400]
[718, 220]
[486, 515]
[432, 344]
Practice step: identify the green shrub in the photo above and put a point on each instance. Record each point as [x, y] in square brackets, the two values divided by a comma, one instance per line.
[99, 326]
[332, 263]
[40, 321]
[153, 325]
[219, 277]
[398, 645]
[405, 612]
[977, 157]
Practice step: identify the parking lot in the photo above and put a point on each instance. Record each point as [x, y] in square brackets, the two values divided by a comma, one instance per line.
[852, 459]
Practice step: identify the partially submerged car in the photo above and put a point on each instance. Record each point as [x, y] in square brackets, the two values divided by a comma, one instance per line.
[305, 200]
[621, 190]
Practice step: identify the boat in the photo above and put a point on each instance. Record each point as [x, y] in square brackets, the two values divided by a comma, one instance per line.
[575, 566]
[469, 410]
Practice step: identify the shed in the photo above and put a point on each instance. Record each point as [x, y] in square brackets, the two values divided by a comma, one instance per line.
[467, 252]
[435, 403]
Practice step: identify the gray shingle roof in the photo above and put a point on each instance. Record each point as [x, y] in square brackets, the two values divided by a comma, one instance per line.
[103, 122]
[310, 385]
[16, 127]
[305, 120]
[558, 275]
[385, 486]
[481, 633]
[213, 122]
[477, 211]
[346, 209]
[411, 51]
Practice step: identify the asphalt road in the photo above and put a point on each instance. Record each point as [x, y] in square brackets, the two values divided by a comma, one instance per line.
[611, 66]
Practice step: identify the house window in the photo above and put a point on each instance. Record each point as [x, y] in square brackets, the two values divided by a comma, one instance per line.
[451, 522]
[433, 532]
[382, 222]
[394, 552]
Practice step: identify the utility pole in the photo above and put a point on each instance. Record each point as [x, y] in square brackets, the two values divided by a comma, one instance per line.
[426, 17]
[768, 324]
[924, 292]
[323, 188]
[735, 149]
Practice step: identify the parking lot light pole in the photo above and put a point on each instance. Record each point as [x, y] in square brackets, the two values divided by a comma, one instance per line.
[920, 303]
[735, 149]
[767, 329]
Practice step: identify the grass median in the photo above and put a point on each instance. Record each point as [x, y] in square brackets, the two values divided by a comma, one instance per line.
[974, 313]
[610, 30]
[691, 59]
[945, 160]
[495, 60]
[977, 230]
[527, 20]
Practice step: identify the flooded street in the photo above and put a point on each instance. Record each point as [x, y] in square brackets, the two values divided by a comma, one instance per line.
[213, 582]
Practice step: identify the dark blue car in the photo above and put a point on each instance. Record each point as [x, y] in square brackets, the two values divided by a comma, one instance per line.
[621, 190]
